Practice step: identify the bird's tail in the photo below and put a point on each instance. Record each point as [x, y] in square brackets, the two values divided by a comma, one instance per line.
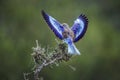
[71, 47]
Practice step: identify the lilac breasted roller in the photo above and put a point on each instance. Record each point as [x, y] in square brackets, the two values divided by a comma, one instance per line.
[68, 35]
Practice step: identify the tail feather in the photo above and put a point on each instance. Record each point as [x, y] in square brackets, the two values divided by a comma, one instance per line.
[71, 47]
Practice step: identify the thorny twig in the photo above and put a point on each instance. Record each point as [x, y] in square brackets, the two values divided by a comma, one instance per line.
[43, 57]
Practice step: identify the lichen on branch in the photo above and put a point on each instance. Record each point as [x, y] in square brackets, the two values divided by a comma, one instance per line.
[43, 57]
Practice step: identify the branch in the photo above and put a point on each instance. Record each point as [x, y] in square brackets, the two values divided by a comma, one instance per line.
[43, 57]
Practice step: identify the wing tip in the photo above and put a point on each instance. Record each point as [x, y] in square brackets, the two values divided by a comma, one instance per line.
[84, 18]
[43, 13]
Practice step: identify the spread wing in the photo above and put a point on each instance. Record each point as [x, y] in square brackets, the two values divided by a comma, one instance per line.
[79, 27]
[53, 24]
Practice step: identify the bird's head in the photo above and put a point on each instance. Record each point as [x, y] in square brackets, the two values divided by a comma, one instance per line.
[65, 25]
[67, 31]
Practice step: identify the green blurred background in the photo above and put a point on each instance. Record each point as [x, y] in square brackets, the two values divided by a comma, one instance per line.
[21, 23]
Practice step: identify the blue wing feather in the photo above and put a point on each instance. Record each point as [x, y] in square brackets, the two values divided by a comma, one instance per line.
[79, 27]
[54, 25]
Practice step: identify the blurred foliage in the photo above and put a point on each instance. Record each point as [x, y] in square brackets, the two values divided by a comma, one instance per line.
[21, 24]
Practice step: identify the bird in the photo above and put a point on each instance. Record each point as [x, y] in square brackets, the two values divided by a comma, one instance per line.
[65, 33]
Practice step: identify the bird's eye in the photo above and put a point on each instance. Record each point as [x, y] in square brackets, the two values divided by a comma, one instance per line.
[68, 33]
